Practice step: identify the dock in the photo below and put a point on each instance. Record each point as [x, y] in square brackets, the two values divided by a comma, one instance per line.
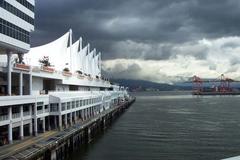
[57, 144]
[202, 93]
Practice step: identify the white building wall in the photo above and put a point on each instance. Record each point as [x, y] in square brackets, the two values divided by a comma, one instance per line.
[37, 85]
[13, 43]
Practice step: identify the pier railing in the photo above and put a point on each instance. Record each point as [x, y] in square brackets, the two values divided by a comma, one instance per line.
[26, 114]
[16, 115]
[40, 112]
[4, 117]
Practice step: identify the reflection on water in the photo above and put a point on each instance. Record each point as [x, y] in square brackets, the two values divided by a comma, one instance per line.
[171, 126]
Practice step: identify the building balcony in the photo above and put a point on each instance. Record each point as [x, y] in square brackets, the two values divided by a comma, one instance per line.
[3, 64]
[16, 115]
[47, 110]
[63, 108]
[80, 76]
[26, 113]
[90, 78]
[67, 74]
[4, 117]
[22, 67]
[68, 77]
[47, 69]
[40, 112]
[16, 100]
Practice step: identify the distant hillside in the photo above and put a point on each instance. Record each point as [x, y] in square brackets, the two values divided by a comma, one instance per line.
[141, 85]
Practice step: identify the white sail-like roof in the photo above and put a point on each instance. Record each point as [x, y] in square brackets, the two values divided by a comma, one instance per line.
[75, 57]
[62, 53]
[86, 64]
[83, 59]
[99, 64]
[96, 69]
[93, 63]
[89, 64]
[56, 51]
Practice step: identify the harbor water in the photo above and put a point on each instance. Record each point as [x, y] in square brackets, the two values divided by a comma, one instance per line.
[170, 126]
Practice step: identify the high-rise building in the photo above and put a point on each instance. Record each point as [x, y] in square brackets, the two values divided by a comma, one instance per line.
[16, 24]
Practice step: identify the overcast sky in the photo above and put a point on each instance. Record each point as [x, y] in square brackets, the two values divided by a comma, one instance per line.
[157, 40]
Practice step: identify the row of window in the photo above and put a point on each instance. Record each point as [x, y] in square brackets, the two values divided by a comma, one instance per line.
[80, 103]
[26, 4]
[16, 12]
[14, 31]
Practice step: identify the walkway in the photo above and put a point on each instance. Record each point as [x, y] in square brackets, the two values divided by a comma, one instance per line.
[8, 150]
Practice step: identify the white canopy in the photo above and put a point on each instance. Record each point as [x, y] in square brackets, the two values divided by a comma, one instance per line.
[89, 62]
[99, 64]
[61, 55]
[83, 59]
[93, 62]
[74, 56]
[56, 51]
[96, 69]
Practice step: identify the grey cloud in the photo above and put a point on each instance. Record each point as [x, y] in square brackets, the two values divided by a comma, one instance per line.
[107, 23]
[234, 61]
[212, 67]
[119, 71]
[230, 45]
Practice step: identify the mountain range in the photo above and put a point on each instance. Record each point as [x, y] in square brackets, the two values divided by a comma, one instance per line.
[142, 85]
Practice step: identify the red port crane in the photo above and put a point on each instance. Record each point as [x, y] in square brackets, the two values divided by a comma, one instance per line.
[222, 85]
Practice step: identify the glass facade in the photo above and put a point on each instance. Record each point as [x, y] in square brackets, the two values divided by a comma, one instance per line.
[14, 31]
[16, 12]
[26, 4]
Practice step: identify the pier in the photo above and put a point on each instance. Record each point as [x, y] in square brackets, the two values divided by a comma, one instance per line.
[59, 144]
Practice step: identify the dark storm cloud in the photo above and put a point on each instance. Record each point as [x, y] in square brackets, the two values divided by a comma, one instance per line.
[110, 24]
[120, 70]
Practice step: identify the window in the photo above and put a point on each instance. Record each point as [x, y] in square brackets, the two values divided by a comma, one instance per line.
[14, 31]
[54, 107]
[63, 106]
[68, 105]
[73, 104]
[26, 4]
[17, 12]
[77, 104]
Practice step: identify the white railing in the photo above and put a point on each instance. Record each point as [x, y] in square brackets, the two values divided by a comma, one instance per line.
[38, 69]
[4, 117]
[3, 64]
[16, 115]
[40, 112]
[26, 114]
